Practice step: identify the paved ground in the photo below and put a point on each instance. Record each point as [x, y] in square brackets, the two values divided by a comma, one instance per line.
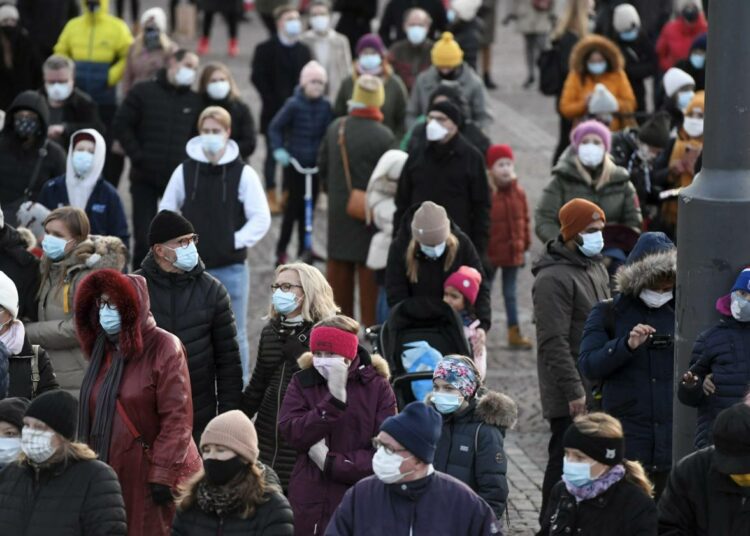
[524, 119]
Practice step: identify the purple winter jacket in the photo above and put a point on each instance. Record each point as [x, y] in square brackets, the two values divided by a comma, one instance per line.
[309, 413]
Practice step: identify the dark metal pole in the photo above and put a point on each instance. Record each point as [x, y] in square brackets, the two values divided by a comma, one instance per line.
[713, 228]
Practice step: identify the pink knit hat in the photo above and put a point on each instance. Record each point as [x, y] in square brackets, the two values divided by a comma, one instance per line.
[591, 127]
[234, 431]
[466, 280]
[311, 71]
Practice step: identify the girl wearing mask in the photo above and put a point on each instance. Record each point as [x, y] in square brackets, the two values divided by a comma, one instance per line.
[235, 493]
[599, 487]
[301, 297]
[719, 372]
[473, 417]
[12, 411]
[150, 50]
[332, 409]
[69, 255]
[586, 170]
[36, 492]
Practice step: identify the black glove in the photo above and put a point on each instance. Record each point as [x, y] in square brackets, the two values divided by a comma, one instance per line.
[161, 494]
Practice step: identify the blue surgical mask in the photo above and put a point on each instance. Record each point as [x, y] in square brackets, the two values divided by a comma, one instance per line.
[109, 319]
[684, 98]
[446, 403]
[82, 162]
[740, 308]
[593, 243]
[187, 257]
[416, 34]
[630, 35]
[451, 16]
[576, 473]
[698, 60]
[54, 247]
[597, 67]
[212, 143]
[293, 27]
[433, 252]
[284, 302]
[370, 62]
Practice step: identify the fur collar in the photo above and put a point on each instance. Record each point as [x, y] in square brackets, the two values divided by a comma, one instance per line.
[632, 278]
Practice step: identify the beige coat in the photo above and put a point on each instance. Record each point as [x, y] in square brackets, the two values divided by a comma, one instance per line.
[337, 60]
[531, 21]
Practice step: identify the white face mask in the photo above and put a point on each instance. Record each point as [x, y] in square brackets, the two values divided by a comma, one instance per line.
[185, 76]
[320, 23]
[324, 364]
[593, 243]
[590, 154]
[10, 448]
[218, 90]
[387, 467]
[654, 299]
[59, 91]
[693, 126]
[435, 131]
[37, 444]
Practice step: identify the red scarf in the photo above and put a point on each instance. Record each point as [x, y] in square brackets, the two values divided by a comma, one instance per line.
[368, 113]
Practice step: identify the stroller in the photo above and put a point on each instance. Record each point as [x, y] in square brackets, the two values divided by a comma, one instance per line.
[418, 333]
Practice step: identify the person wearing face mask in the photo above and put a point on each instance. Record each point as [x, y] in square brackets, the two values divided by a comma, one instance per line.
[570, 279]
[599, 488]
[407, 495]
[695, 63]
[150, 51]
[301, 298]
[332, 409]
[718, 373]
[231, 11]
[70, 253]
[393, 27]
[426, 250]
[136, 408]
[328, 47]
[191, 304]
[19, 61]
[467, 28]
[678, 34]
[410, 55]
[597, 60]
[235, 491]
[84, 187]
[628, 348]
[57, 483]
[153, 124]
[586, 170]
[12, 410]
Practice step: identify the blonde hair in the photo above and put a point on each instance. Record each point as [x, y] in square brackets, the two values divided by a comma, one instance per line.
[69, 451]
[318, 295]
[602, 425]
[209, 70]
[77, 224]
[218, 114]
[575, 19]
[412, 263]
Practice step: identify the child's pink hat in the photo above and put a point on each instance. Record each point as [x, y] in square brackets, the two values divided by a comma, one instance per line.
[466, 280]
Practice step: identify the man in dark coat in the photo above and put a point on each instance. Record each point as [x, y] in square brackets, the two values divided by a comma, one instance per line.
[22, 268]
[154, 124]
[406, 495]
[392, 21]
[190, 303]
[570, 280]
[449, 172]
[708, 490]
[19, 61]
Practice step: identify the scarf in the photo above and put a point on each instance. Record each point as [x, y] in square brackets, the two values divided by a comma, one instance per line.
[14, 338]
[368, 112]
[597, 487]
[219, 500]
[99, 433]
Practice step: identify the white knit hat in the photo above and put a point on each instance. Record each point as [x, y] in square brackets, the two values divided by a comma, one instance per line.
[8, 295]
[157, 15]
[625, 18]
[602, 101]
[674, 79]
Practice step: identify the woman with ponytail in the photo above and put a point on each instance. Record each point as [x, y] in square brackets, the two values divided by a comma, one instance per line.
[599, 487]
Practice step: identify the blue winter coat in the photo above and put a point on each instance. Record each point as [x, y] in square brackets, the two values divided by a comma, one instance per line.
[104, 207]
[300, 126]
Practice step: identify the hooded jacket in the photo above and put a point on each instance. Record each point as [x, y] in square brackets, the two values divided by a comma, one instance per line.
[243, 124]
[23, 269]
[636, 384]
[310, 413]
[154, 394]
[567, 285]
[78, 111]
[676, 38]
[98, 42]
[510, 233]
[22, 373]
[699, 75]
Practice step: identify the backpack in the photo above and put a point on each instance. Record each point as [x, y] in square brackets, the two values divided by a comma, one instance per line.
[550, 70]
[541, 5]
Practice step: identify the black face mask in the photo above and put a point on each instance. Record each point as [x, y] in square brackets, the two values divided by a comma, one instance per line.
[26, 127]
[152, 38]
[219, 472]
[690, 14]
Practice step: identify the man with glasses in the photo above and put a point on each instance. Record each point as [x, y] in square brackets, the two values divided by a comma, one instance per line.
[193, 305]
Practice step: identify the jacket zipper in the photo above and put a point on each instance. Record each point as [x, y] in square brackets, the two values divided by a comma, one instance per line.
[278, 409]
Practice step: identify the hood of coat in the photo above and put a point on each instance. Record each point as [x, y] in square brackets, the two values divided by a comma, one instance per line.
[103, 8]
[378, 365]
[492, 408]
[28, 100]
[724, 305]
[591, 43]
[644, 273]
[129, 293]
[153, 272]
[568, 168]
[556, 253]
[194, 150]
[80, 188]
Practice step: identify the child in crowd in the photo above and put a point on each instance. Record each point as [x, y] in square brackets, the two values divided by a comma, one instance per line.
[510, 233]
[460, 291]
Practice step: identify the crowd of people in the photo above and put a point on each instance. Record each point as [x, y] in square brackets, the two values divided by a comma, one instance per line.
[130, 399]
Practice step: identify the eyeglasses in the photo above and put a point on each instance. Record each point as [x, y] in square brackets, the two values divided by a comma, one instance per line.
[285, 287]
[105, 301]
[185, 242]
[377, 443]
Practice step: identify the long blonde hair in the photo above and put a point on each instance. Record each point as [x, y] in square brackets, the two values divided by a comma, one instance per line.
[602, 425]
[412, 262]
[318, 301]
[575, 19]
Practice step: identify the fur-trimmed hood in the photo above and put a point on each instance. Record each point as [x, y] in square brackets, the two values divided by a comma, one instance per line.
[379, 364]
[96, 252]
[591, 43]
[632, 278]
[493, 408]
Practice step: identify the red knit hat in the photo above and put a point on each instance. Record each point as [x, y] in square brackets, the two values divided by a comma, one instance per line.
[466, 280]
[334, 341]
[496, 152]
[576, 215]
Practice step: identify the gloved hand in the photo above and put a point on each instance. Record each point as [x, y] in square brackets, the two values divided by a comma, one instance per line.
[161, 494]
[338, 374]
[318, 453]
[282, 156]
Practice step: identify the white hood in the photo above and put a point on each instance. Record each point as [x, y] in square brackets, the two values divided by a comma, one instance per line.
[80, 188]
[194, 150]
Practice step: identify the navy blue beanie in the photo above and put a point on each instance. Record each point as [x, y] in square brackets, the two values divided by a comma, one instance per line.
[743, 281]
[417, 428]
[649, 244]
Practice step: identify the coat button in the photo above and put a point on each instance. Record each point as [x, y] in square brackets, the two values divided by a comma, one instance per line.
[653, 380]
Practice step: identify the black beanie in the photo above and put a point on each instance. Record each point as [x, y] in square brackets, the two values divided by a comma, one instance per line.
[167, 225]
[655, 131]
[449, 109]
[57, 409]
[12, 411]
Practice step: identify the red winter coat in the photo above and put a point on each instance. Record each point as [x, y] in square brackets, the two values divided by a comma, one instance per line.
[309, 413]
[676, 38]
[154, 392]
[510, 233]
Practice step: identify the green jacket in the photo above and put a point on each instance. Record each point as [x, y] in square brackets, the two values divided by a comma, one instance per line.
[617, 198]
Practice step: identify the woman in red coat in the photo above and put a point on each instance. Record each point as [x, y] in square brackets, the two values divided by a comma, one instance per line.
[136, 408]
[678, 35]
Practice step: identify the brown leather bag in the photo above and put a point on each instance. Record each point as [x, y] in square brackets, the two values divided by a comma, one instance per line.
[356, 206]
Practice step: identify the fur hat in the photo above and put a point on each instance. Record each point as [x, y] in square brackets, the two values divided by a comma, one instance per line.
[157, 15]
[674, 79]
[602, 101]
[625, 18]
[369, 91]
[430, 225]
[576, 215]
[447, 53]
[591, 127]
[8, 295]
[312, 71]
[234, 431]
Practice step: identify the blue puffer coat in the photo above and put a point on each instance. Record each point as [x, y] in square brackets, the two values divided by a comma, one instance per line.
[636, 385]
[724, 351]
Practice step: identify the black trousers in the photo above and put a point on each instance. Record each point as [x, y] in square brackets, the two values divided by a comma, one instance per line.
[556, 453]
[135, 9]
[145, 197]
[231, 17]
[294, 183]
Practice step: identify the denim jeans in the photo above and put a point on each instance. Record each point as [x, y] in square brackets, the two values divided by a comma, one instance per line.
[509, 294]
[236, 279]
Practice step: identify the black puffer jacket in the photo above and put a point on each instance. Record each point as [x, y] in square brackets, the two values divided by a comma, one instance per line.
[79, 111]
[243, 125]
[19, 367]
[279, 348]
[154, 124]
[196, 308]
[79, 498]
[22, 268]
